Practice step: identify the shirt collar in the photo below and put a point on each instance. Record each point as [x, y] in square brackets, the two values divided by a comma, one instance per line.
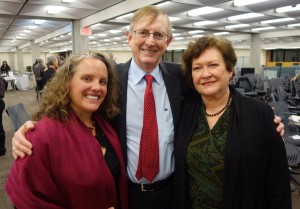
[138, 73]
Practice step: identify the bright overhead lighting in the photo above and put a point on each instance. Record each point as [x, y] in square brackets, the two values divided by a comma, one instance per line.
[221, 33]
[294, 25]
[54, 9]
[195, 31]
[277, 20]
[288, 8]
[178, 38]
[67, 1]
[203, 10]
[238, 3]
[237, 26]
[124, 16]
[176, 34]
[26, 31]
[245, 16]
[115, 31]
[197, 36]
[205, 22]
[101, 34]
[32, 27]
[174, 18]
[263, 28]
[39, 22]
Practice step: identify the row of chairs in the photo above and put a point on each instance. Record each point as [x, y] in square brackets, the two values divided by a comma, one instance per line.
[284, 96]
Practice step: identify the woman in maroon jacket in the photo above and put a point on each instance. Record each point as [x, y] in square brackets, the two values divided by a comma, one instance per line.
[77, 161]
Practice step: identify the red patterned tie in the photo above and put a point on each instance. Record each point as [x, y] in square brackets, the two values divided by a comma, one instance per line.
[148, 165]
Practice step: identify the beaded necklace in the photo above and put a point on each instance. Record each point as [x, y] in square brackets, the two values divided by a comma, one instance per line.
[217, 113]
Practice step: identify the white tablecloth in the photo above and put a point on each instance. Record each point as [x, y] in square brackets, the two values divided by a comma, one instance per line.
[21, 81]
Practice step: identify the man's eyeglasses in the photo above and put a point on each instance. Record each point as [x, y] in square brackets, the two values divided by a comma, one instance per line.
[146, 34]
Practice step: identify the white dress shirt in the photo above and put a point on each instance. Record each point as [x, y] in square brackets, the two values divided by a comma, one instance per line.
[134, 122]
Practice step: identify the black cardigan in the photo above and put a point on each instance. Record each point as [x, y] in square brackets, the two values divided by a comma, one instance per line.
[256, 174]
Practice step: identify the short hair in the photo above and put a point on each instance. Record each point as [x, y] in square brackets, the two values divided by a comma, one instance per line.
[51, 60]
[196, 48]
[153, 12]
[56, 101]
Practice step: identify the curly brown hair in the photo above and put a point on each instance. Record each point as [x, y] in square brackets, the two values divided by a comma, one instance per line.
[195, 49]
[56, 101]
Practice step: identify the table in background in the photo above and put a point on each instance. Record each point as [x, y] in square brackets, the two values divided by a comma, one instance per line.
[22, 82]
[19, 81]
[12, 80]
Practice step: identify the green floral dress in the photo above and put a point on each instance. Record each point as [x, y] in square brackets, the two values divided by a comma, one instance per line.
[205, 163]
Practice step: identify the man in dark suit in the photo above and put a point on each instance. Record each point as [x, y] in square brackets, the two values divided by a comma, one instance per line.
[149, 36]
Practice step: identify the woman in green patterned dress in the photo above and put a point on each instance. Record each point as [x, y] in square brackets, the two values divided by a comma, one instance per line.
[227, 152]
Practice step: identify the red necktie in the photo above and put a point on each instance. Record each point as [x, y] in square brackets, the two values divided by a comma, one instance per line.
[148, 165]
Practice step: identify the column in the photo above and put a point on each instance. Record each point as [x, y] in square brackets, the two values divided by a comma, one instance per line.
[255, 52]
[35, 51]
[20, 66]
[80, 43]
[11, 61]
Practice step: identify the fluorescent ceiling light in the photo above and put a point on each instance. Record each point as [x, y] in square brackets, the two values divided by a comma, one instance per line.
[39, 22]
[288, 8]
[178, 38]
[174, 18]
[101, 34]
[203, 10]
[221, 33]
[26, 31]
[176, 34]
[294, 25]
[263, 28]
[237, 26]
[54, 9]
[67, 1]
[238, 3]
[277, 20]
[197, 36]
[32, 27]
[195, 31]
[245, 16]
[95, 25]
[205, 22]
[124, 16]
[115, 31]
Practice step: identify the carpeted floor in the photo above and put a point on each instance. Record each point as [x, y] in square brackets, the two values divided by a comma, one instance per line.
[28, 98]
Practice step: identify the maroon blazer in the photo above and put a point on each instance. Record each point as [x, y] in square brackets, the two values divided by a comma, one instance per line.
[67, 169]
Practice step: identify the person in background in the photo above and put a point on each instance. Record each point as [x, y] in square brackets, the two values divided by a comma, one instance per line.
[38, 70]
[227, 151]
[50, 70]
[5, 68]
[149, 35]
[295, 77]
[78, 158]
[61, 61]
[3, 85]
[112, 58]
